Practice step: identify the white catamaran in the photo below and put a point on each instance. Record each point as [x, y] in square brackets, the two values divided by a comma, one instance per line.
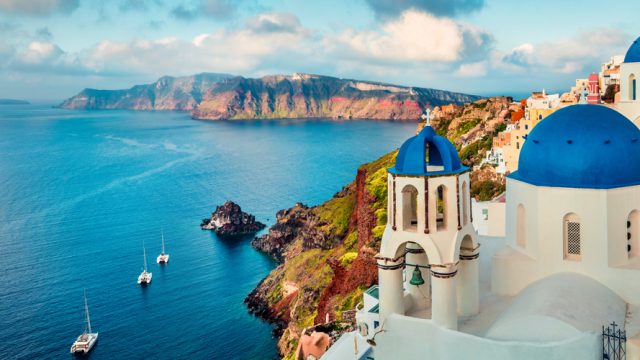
[84, 343]
[163, 258]
[145, 276]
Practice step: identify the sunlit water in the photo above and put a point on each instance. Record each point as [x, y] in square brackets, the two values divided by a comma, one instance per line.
[81, 190]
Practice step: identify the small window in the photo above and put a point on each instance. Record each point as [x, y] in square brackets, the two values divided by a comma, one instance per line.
[632, 235]
[572, 239]
[485, 214]
[441, 208]
[464, 203]
[376, 324]
[517, 145]
[526, 127]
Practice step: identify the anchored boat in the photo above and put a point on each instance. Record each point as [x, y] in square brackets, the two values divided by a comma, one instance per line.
[84, 343]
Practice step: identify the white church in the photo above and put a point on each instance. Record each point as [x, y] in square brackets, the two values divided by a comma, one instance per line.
[564, 283]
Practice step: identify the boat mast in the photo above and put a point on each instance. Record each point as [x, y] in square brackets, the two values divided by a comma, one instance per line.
[86, 312]
[162, 234]
[144, 253]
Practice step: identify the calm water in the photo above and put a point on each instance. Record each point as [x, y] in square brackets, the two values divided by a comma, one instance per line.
[80, 191]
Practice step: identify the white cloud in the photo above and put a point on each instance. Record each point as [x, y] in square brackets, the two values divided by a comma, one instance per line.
[580, 53]
[38, 7]
[477, 69]
[239, 50]
[414, 36]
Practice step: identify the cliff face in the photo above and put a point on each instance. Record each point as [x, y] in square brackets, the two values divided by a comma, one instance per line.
[325, 254]
[217, 96]
[168, 93]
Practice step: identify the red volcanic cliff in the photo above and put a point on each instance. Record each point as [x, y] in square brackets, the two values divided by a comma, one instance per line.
[221, 96]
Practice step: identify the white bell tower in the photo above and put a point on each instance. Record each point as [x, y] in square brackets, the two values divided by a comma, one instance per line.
[428, 260]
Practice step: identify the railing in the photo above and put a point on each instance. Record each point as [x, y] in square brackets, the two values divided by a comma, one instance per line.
[614, 343]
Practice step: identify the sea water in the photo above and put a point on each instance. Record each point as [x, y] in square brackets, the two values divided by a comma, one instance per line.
[80, 191]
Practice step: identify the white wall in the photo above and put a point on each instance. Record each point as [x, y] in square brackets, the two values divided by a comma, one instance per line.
[603, 215]
[412, 338]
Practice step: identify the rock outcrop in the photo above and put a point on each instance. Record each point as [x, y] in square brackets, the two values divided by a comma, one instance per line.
[220, 96]
[229, 220]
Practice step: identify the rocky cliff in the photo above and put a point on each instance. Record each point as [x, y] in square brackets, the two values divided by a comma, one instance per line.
[229, 220]
[325, 255]
[220, 96]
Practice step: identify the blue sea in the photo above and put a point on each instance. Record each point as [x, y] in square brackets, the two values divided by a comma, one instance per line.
[80, 191]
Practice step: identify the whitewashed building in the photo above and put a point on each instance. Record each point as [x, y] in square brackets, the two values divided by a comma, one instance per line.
[629, 103]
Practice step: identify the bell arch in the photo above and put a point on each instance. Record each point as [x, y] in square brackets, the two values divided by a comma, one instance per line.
[417, 282]
[409, 208]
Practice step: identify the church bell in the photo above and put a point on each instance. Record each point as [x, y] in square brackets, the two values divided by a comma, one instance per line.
[416, 279]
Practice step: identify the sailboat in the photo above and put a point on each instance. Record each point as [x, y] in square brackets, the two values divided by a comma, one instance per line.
[84, 343]
[145, 276]
[163, 258]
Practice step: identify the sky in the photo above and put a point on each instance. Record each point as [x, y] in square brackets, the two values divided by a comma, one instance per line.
[52, 49]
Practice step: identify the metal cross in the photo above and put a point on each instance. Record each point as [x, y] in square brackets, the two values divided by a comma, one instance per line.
[427, 116]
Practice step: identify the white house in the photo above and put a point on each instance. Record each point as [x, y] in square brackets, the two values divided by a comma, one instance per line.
[629, 103]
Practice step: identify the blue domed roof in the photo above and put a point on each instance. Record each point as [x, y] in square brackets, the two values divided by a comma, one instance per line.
[412, 157]
[581, 146]
[633, 54]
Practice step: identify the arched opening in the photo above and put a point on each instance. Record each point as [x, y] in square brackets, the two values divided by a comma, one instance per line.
[417, 282]
[432, 157]
[633, 248]
[409, 208]
[632, 87]
[572, 237]
[521, 227]
[441, 208]
[465, 203]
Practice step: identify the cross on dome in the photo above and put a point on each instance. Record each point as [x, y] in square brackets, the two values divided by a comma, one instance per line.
[427, 116]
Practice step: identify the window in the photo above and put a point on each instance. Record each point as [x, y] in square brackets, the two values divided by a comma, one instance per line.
[485, 214]
[376, 324]
[632, 235]
[632, 87]
[517, 145]
[526, 127]
[520, 237]
[441, 208]
[409, 208]
[572, 240]
[464, 203]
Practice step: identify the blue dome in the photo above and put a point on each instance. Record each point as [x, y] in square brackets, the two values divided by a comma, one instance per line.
[633, 54]
[411, 159]
[581, 146]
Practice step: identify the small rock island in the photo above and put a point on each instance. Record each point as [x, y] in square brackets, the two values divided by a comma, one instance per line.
[229, 220]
